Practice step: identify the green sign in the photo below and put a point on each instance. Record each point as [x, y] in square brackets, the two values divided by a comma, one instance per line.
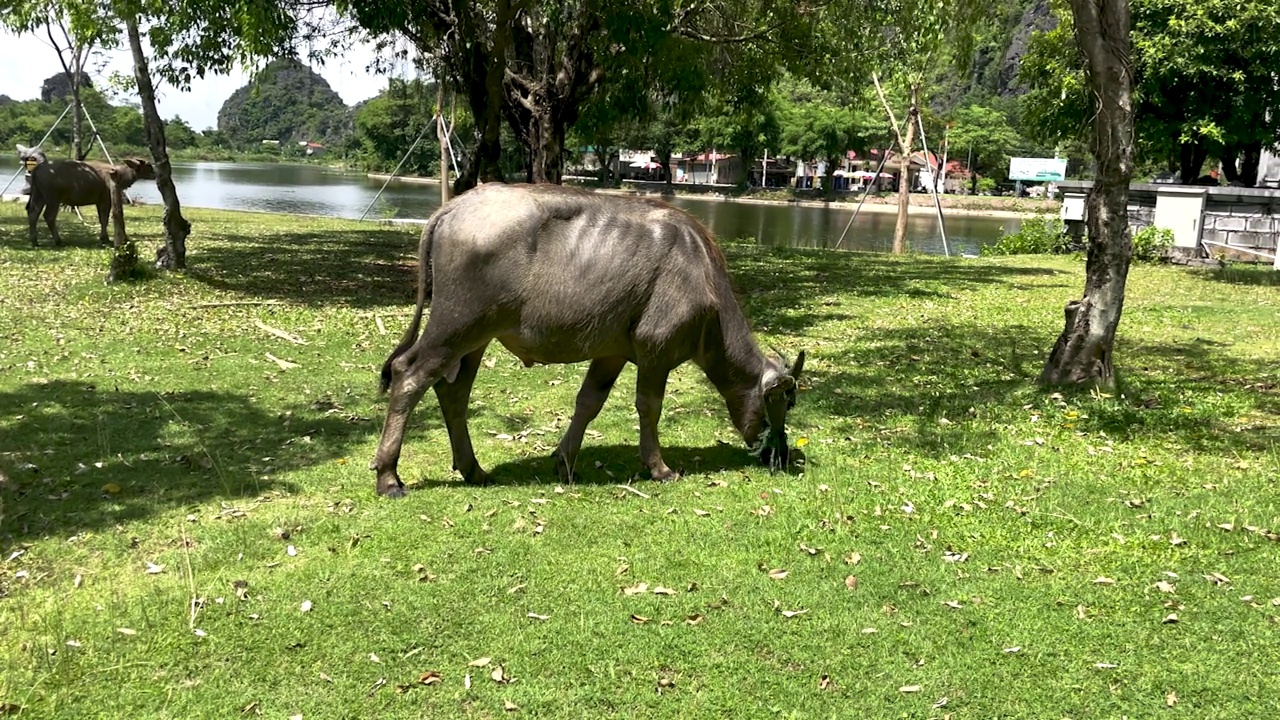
[1038, 169]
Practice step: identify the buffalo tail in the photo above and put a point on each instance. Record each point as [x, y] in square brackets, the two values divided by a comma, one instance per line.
[424, 296]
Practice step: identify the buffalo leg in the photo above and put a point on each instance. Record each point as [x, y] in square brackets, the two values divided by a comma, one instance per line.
[454, 398]
[104, 213]
[601, 376]
[51, 219]
[34, 208]
[651, 386]
[409, 381]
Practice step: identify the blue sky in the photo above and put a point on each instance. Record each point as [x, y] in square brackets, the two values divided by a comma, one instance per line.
[28, 59]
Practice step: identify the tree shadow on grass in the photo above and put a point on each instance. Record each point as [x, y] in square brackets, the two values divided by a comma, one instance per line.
[596, 462]
[782, 290]
[941, 388]
[355, 267]
[81, 458]
[1260, 275]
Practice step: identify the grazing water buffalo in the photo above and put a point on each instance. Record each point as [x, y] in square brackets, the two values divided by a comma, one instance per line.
[561, 275]
[77, 183]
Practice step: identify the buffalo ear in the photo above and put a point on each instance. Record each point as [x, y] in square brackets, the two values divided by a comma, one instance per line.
[775, 382]
[23, 149]
[798, 367]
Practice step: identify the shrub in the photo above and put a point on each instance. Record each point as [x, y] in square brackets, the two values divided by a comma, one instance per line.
[1151, 243]
[1037, 236]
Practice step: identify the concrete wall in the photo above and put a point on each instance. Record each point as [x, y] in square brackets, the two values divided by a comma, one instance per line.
[1206, 220]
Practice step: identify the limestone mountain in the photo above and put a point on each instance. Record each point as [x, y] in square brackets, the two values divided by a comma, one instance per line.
[288, 102]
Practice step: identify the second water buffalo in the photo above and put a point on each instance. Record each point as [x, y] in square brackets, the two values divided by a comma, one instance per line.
[79, 183]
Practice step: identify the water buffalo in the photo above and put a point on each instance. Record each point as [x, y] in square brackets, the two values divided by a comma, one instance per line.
[562, 275]
[77, 183]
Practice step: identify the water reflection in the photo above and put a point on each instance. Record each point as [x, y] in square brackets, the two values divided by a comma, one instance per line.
[310, 190]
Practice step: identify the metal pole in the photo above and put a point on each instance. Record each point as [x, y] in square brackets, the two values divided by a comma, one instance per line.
[937, 203]
[103, 145]
[52, 127]
[883, 159]
[393, 172]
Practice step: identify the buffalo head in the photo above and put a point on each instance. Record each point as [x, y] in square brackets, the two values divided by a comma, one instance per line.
[778, 394]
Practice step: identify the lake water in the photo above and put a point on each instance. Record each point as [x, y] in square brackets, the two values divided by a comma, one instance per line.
[314, 190]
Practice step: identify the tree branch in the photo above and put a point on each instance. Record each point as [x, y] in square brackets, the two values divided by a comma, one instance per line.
[893, 120]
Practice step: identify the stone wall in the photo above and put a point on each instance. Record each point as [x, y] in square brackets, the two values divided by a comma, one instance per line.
[1253, 225]
[1245, 218]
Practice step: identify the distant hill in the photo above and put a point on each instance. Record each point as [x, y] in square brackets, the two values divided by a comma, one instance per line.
[288, 102]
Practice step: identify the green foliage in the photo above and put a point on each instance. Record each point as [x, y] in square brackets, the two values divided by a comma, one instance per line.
[1204, 76]
[1040, 235]
[1151, 243]
[985, 135]
[387, 125]
[288, 102]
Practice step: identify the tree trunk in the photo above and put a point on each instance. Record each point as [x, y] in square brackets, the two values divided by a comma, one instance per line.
[1229, 158]
[546, 145]
[1250, 159]
[176, 228]
[77, 115]
[1083, 353]
[904, 176]
[830, 189]
[973, 176]
[664, 159]
[1191, 157]
[443, 137]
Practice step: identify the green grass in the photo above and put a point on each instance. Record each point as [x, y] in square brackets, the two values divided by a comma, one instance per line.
[160, 432]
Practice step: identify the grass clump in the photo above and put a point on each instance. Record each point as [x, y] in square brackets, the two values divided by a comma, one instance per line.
[188, 528]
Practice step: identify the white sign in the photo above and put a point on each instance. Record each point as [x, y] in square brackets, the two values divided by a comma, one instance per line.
[1040, 169]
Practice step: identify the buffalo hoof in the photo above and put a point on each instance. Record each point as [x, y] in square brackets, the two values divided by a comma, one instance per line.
[477, 477]
[563, 470]
[390, 487]
[665, 475]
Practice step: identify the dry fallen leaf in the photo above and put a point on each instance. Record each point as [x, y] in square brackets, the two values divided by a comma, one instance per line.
[793, 613]
[509, 706]
[306, 606]
[126, 631]
[824, 682]
[953, 604]
[637, 589]
[1167, 587]
[1105, 666]
[466, 681]
[499, 675]
[1013, 650]
[153, 569]
[536, 616]
[480, 662]
[1104, 581]
[777, 573]
[374, 658]
[852, 559]
[663, 591]
[693, 620]
[1171, 699]
[111, 488]
[1170, 619]
[910, 689]
[700, 513]
[639, 619]
[851, 582]
[941, 702]
[430, 677]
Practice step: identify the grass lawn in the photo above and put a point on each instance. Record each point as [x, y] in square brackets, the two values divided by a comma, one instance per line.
[188, 528]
